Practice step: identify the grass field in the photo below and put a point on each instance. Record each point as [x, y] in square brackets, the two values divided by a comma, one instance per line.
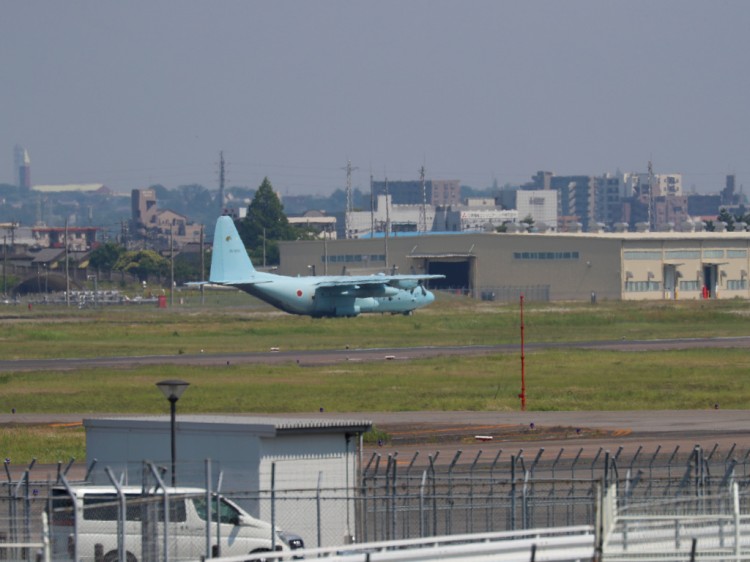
[556, 379]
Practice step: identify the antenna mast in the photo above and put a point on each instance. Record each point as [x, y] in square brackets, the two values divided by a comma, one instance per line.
[422, 227]
[221, 183]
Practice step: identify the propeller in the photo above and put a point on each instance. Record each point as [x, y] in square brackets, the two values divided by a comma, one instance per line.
[420, 285]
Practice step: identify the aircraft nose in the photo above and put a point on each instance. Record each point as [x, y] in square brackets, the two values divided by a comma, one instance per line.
[429, 297]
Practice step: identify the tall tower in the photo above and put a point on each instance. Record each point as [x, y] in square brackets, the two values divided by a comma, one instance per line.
[23, 168]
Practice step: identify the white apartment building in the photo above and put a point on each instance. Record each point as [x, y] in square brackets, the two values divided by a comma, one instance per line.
[540, 205]
[400, 218]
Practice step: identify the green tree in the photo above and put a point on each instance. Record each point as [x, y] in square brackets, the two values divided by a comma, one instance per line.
[142, 263]
[106, 256]
[726, 217]
[265, 224]
[187, 267]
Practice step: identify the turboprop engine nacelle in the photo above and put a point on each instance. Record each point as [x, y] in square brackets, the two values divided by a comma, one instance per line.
[405, 284]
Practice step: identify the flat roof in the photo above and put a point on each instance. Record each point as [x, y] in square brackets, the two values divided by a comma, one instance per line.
[264, 426]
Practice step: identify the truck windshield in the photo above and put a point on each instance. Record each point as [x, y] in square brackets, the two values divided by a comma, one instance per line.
[227, 513]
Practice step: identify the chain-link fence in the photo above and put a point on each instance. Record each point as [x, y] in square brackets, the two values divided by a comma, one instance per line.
[388, 499]
[512, 492]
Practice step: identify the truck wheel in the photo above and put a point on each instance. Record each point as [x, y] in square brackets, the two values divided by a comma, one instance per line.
[112, 556]
[258, 555]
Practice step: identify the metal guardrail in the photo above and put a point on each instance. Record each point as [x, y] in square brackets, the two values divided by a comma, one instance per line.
[702, 527]
[560, 544]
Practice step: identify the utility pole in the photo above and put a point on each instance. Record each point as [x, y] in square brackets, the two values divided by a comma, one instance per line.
[651, 218]
[221, 183]
[422, 227]
[203, 269]
[171, 267]
[5, 264]
[372, 209]
[349, 204]
[387, 222]
[67, 266]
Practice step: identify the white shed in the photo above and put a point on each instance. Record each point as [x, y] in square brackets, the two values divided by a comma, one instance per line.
[300, 454]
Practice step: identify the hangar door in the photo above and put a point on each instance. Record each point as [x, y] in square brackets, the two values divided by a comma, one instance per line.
[458, 271]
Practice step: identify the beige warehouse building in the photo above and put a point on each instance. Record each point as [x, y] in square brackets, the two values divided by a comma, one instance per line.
[549, 266]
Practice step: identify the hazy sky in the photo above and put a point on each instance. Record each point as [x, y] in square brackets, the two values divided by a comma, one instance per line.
[141, 92]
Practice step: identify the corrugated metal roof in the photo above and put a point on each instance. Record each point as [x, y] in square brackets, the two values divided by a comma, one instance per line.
[47, 255]
[68, 187]
[254, 424]
[705, 235]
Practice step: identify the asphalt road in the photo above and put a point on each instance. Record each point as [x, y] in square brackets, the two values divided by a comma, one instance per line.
[333, 356]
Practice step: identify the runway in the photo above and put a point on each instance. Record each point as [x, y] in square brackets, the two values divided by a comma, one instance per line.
[333, 356]
[584, 432]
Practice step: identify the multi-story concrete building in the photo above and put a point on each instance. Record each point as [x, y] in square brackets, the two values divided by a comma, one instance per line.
[540, 205]
[435, 193]
[159, 228]
[473, 219]
[576, 197]
[389, 217]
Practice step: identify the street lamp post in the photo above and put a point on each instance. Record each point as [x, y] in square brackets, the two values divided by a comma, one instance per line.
[172, 390]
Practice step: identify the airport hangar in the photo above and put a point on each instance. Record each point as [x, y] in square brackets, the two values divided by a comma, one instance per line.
[545, 266]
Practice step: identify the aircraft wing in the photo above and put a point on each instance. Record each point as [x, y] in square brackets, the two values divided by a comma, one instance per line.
[371, 285]
[402, 281]
[231, 283]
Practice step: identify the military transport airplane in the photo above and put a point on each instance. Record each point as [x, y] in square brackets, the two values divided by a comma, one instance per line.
[329, 295]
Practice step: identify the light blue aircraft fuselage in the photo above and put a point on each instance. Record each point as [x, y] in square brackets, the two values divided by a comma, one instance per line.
[329, 295]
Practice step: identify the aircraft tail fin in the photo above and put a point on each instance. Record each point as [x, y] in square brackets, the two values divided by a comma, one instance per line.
[230, 263]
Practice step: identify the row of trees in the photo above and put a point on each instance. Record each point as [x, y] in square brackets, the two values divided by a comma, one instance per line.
[732, 221]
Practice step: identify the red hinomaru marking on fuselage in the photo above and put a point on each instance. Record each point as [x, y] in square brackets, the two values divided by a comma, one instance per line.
[299, 293]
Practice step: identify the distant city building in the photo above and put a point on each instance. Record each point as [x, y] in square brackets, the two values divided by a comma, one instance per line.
[668, 185]
[540, 205]
[317, 223]
[98, 188]
[703, 205]
[436, 192]
[446, 192]
[729, 196]
[157, 228]
[389, 217]
[79, 239]
[473, 219]
[576, 199]
[607, 202]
